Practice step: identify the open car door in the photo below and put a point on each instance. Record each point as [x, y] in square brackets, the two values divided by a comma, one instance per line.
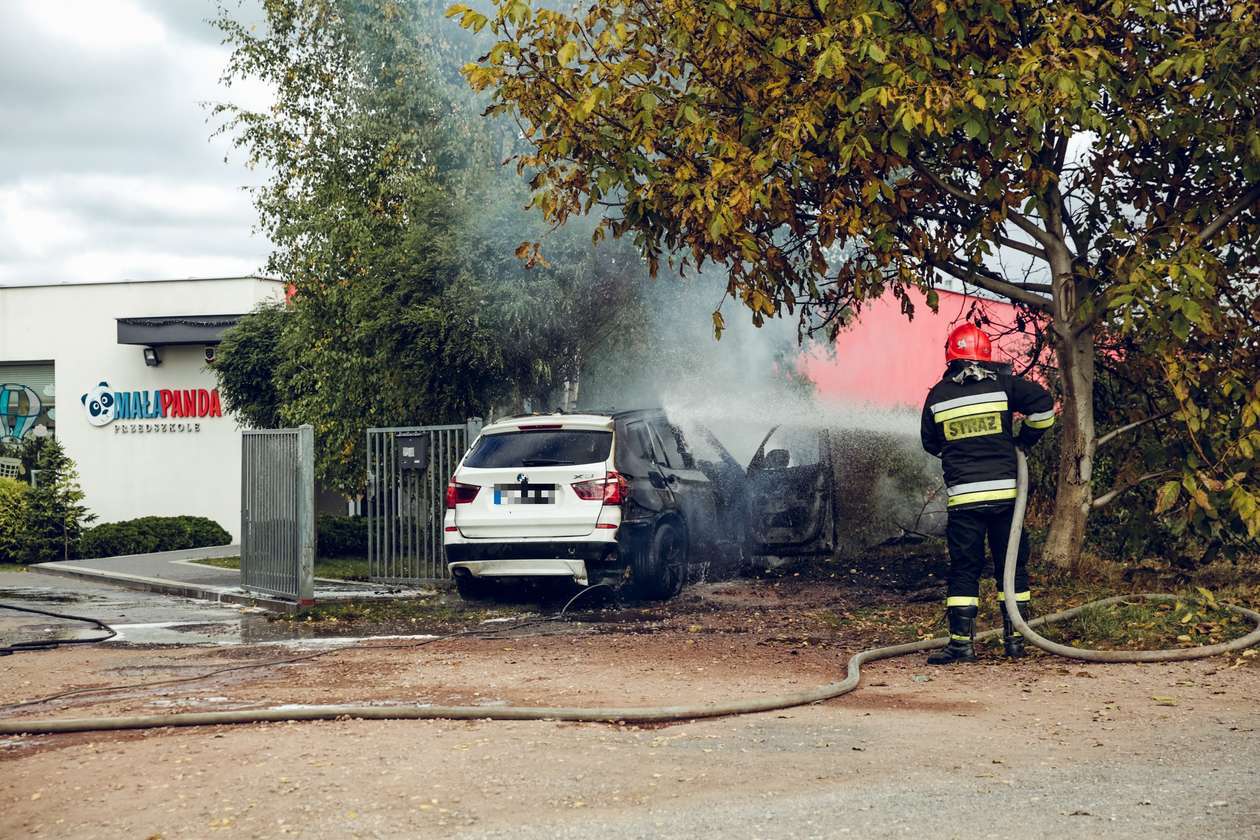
[790, 497]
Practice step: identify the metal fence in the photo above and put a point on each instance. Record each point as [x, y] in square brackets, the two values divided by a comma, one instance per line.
[278, 512]
[407, 469]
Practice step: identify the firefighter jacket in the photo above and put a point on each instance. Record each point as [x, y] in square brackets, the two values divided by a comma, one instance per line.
[967, 422]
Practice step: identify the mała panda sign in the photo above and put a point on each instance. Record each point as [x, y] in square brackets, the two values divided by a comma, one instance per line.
[104, 405]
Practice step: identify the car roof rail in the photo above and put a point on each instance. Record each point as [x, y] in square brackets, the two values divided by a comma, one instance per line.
[610, 411]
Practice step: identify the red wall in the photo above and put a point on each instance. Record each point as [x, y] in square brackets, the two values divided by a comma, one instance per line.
[885, 359]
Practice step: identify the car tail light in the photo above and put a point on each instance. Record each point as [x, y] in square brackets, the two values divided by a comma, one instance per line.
[612, 489]
[460, 494]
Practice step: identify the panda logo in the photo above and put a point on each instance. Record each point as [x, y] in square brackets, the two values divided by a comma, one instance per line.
[100, 406]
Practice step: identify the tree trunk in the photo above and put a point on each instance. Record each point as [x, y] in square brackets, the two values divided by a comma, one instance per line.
[1077, 440]
[1076, 456]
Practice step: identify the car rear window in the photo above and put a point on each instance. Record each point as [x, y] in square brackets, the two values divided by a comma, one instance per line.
[539, 449]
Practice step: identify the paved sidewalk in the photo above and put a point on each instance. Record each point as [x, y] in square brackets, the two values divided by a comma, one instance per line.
[176, 573]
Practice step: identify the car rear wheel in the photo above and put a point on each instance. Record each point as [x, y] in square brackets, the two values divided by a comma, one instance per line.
[659, 572]
[473, 588]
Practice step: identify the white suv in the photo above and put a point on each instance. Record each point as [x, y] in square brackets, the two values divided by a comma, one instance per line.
[592, 497]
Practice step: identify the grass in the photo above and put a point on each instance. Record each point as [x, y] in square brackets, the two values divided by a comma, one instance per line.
[1140, 624]
[428, 613]
[12, 567]
[336, 568]
[1195, 619]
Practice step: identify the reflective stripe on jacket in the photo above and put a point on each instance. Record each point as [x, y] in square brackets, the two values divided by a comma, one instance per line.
[967, 422]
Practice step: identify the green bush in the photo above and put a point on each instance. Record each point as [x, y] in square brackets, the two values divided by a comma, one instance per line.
[341, 536]
[151, 533]
[55, 514]
[13, 511]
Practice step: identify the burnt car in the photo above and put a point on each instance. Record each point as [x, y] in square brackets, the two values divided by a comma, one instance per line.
[623, 498]
[597, 498]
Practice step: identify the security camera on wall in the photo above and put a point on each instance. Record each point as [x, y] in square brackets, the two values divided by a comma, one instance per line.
[209, 355]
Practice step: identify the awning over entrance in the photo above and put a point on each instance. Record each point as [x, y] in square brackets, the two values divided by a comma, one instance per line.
[160, 330]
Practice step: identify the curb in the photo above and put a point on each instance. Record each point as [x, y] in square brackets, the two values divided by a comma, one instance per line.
[168, 587]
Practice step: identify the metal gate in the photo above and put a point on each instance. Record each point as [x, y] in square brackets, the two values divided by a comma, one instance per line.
[278, 512]
[407, 469]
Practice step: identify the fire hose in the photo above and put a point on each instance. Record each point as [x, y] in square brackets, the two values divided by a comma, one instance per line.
[649, 714]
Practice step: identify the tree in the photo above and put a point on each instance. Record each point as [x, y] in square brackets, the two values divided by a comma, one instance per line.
[827, 151]
[245, 366]
[13, 495]
[396, 228]
[55, 513]
[552, 314]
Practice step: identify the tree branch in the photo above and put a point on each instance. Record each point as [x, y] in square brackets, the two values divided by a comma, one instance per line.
[1227, 215]
[1114, 433]
[941, 184]
[1032, 250]
[985, 279]
[1110, 495]
[1043, 288]
[1040, 236]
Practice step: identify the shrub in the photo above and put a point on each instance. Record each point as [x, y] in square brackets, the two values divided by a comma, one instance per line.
[13, 510]
[341, 536]
[55, 514]
[152, 533]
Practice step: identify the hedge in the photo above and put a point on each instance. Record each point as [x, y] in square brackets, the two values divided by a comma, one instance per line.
[12, 518]
[152, 533]
[341, 536]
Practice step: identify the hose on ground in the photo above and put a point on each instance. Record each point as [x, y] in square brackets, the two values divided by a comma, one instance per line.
[48, 644]
[1171, 655]
[660, 714]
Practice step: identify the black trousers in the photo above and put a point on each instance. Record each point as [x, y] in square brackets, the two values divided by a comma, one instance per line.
[966, 534]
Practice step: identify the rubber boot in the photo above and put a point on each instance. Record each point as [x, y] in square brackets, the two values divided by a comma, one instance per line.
[1012, 639]
[962, 638]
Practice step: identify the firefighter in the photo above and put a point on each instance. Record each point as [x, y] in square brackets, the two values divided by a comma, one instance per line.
[967, 423]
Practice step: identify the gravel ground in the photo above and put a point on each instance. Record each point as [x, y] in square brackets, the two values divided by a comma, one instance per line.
[1039, 748]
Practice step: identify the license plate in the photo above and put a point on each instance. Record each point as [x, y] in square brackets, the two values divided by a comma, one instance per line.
[528, 494]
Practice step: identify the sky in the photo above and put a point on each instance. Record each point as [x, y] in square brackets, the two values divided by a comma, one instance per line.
[107, 167]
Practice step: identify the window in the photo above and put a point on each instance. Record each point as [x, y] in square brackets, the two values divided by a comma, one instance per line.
[672, 440]
[28, 404]
[539, 449]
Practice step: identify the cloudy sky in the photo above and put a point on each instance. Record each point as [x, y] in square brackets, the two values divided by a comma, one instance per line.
[107, 168]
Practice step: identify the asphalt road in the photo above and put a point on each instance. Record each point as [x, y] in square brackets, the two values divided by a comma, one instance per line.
[138, 616]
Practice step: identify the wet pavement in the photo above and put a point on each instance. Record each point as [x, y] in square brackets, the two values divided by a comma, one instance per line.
[180, 574]
[141, 618]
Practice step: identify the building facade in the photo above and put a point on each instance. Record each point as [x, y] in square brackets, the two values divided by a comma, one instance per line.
[887, 360]
[120, 374]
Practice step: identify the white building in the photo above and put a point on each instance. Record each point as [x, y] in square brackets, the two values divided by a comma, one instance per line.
[119, 373]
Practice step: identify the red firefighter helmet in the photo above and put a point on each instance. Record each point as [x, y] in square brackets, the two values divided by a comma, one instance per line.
[968, 341]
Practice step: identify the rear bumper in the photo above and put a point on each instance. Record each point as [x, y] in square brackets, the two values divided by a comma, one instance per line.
[575, 569]
[545, 558]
